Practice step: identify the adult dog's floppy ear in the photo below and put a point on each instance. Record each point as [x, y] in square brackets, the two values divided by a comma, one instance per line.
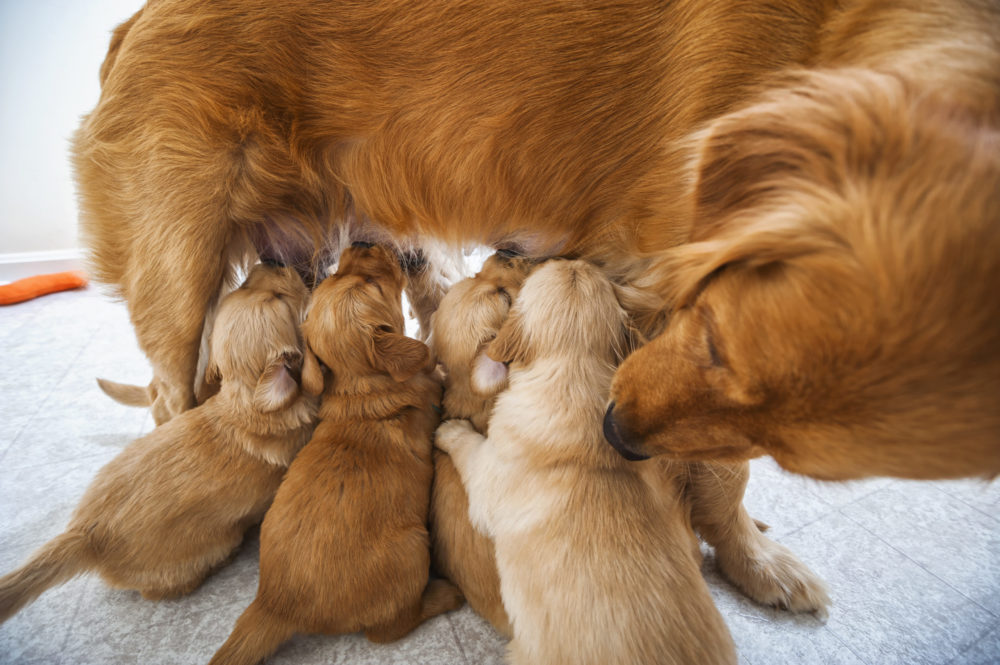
[277, 387]
[401, 356]
[312, 373]
[510, 344]
[747, 163]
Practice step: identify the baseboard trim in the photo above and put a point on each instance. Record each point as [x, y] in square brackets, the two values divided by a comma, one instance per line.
[18, 265]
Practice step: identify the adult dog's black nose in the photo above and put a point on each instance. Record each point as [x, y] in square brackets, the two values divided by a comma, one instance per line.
[613, 433]
[362, 244]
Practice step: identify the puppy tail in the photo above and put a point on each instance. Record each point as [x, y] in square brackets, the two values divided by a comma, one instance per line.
[256, 636]
[55, 562]
[126, 394]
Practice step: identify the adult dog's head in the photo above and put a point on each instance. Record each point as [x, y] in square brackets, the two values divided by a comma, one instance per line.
[838, 306]
[256, 340]
[355, 324]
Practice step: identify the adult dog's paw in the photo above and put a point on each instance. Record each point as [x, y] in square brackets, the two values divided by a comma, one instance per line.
[771, 574]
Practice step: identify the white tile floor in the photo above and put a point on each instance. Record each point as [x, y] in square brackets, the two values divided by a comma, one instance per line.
[913, 568]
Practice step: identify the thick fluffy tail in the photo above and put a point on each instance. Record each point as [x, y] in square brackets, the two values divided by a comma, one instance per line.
[54, 563]
[255, 637]
[126, 394]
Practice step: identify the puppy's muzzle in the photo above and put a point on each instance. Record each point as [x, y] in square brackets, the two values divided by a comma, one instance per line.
[618, 439]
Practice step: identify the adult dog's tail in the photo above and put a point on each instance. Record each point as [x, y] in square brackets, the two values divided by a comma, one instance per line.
[55, 562]
[126, 394]
[256, 636]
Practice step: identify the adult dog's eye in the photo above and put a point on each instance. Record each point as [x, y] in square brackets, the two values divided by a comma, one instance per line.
[715, 358]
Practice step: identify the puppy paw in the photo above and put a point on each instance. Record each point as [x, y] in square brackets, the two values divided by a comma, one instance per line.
[441, 596]
[770, 574]
[453, 434]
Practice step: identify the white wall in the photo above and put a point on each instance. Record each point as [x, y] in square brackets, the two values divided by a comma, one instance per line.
[50, 54]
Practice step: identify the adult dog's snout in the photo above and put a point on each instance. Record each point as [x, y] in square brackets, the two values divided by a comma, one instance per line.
[619, 439]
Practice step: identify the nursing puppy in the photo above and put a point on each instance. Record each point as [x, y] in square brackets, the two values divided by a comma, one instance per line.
[595, 566]
[469, 317]
[344, 547]
[175, 503]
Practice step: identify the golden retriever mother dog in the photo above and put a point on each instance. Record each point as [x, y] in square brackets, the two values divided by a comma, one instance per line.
[582, 580]
[813, 183]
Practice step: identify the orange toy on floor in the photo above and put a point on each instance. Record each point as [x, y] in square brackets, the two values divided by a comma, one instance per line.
[40, 285]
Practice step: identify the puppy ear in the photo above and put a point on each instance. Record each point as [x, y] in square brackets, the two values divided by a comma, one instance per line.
[488, 376]
[510, 344]
[312, 373]
[401, 356]
[277, 387]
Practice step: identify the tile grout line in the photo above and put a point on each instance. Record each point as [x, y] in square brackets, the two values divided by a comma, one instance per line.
[974, 644]
[72, 622]
[48, 395]
[918, 564]
[962, 500]
[458, 642]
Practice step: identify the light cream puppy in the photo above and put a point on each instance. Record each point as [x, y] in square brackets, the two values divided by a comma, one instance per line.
[595, 566]
[468, 319]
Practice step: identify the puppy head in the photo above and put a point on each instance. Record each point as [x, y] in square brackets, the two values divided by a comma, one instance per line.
[565, 309]
[355, 326]
[838, 308]
[468, 318]
[256, 340]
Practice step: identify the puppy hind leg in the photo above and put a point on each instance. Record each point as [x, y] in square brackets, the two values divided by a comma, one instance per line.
[764, 570]
[439, 596]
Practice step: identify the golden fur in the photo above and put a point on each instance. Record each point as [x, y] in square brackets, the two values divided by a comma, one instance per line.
[467, 320]
[175, 503]
[844, 343]
[595, 565]
[344, 547]
[855, 140]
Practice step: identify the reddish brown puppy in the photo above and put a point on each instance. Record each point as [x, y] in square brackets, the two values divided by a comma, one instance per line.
[344, 548]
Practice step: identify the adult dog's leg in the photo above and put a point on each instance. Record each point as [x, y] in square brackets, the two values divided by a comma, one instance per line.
[430, 271]
[764, 570]
[176, 269]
